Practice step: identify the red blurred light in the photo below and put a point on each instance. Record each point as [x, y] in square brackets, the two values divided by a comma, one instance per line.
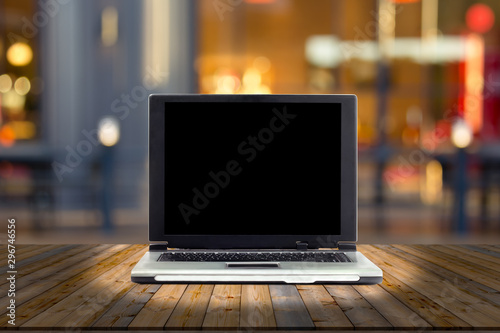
[480, 18]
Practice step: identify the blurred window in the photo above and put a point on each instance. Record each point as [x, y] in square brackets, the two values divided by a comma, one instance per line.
[20, 85]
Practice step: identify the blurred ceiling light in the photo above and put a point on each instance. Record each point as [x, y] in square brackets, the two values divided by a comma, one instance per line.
[262, 64]
[19, 54]
[323, 51]
[5, 83]
[480, 18]
[22, 86]
[461, 134]
[328, 52]
[109, 24]
[108, 131]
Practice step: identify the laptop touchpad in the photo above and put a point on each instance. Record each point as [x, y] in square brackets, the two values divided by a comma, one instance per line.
[253, 265]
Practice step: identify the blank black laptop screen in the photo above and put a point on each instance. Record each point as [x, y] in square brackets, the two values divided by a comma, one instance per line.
[252, 168]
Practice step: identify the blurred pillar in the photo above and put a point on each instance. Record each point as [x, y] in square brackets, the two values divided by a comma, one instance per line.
[460, 192]
[386, 32]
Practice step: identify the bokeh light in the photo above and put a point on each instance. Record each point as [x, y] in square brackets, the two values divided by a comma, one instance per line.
[19, 54]
[480, 18]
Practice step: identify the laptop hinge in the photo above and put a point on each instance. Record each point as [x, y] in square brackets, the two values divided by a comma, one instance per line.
[347, 247]
[302, 246]
[158, 247]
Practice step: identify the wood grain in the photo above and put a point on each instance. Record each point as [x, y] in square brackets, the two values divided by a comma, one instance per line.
[191, 309]
[158, 309]
[224, 307]
[289, 309]
[356, 308]
[323, 309]
[425, 287]
[446, 293]
[256, 307]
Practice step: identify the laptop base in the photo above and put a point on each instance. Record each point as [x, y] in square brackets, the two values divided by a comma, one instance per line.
[359, 271]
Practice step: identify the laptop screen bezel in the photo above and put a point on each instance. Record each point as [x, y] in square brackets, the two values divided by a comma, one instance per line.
[348, 214]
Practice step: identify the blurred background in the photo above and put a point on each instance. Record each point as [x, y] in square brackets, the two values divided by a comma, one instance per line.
[75, 76]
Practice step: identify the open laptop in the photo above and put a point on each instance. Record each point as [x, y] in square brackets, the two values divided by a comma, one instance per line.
[253, 189]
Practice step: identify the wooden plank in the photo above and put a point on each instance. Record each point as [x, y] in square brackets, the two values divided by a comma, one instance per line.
[427, 308]
[357, 309]
[94, 284]
[473, 272]
[122, 312]
[470, 308]
[191, 308]
[112, 288]
[472, 257]
[155, 313]
[21, 248]
[466, 284]
[224, 307]
[481, 249]
[423, 306]
[45, 268]
[323, 309]
[256, 307]
[289, 309]
[39, 254]
[493, 248]
[35, 297]
[399, 315]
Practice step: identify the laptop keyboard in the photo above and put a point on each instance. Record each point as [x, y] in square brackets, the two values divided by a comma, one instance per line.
[309, 256]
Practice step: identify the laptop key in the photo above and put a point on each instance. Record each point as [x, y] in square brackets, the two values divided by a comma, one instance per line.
[309, 256]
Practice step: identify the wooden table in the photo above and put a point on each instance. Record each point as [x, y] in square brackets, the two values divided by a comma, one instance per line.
[88, 286]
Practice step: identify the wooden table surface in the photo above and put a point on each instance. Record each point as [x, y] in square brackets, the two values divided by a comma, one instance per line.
[427, 287]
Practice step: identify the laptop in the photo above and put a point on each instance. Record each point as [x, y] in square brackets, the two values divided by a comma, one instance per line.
[253, 189]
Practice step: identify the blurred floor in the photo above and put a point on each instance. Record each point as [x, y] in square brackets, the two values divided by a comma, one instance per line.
[415, 224]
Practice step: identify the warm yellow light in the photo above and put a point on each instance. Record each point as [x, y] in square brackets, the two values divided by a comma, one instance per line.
[109, 131]
[23, 130]
[19, 54]
[22, 86]
[5, 83]
[109, 24]
[433, 186]
[13, 101]
[461, 134]
[251, 78]
[262, 64]
[227, 84]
